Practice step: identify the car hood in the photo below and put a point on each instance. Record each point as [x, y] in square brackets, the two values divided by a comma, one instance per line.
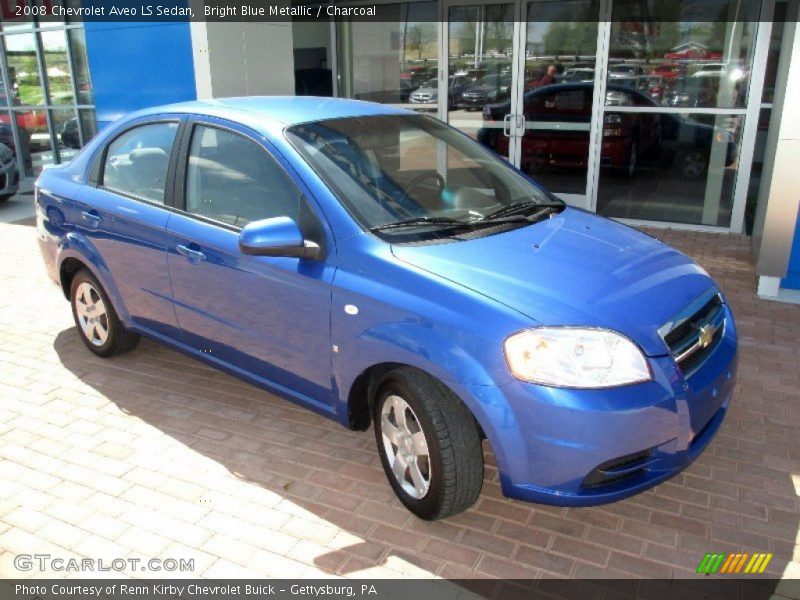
[573, 269]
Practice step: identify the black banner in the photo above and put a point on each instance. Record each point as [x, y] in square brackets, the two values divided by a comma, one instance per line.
[19, 12]
[382, 589]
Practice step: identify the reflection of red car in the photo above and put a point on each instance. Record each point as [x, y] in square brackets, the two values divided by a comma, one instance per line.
[30, 119]
[667, 71]
[558, 120]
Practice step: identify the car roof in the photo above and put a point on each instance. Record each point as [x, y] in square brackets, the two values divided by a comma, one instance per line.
[281, 111]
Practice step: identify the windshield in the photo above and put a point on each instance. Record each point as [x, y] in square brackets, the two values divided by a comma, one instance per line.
[413, 168]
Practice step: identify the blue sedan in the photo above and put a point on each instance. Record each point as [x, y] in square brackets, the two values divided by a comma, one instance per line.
[381, 268]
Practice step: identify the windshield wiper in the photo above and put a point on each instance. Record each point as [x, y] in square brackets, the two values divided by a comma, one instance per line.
[518, 207]
[424, 221]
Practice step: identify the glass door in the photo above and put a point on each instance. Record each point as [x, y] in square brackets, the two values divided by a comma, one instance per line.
[557, 95]
[480, 46]
[521, 81]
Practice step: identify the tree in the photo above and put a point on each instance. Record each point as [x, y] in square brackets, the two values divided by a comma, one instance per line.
[420, 35]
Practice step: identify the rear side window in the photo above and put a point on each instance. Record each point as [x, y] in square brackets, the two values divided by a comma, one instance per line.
[231, 179]
[137, 161]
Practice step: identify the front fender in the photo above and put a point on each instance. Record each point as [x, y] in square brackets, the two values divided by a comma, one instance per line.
[409, 343]
[415, 345]
[77, 246]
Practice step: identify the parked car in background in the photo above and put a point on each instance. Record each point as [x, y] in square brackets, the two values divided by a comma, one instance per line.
[320, 249]
[69, 134]
[667, 71]
[625, 70]
[491, 88]
[560, 116]
[9, 175]
[574, 75]
[558, 123]
[428, 92]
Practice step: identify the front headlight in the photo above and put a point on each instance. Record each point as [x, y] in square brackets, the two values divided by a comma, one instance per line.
[575, 358]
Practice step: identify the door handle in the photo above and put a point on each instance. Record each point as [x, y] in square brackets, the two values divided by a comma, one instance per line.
[507, 125]
[190, 253]
[92, 217]
[520, 125]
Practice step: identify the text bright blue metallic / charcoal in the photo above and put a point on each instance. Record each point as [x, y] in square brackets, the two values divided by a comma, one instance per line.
[379, 267]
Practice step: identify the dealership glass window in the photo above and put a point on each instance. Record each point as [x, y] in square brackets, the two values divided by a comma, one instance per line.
[56, 64]
[774, 54]
[560, 47]
[388, 61]
[480, 65]
[36, 148]
[23, 69]
[68, 139]
[669, 167]
[678, 58]
[44, 78]
[6, 133]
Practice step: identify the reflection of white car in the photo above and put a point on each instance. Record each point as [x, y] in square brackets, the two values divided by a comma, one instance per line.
[9, 178]
[624, 71]
[731, 72]
[582, 74]
[425, 94]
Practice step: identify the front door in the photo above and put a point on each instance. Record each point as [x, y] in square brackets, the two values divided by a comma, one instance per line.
[263, 316]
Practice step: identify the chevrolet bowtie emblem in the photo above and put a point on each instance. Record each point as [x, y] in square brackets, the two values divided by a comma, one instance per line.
[706, 335]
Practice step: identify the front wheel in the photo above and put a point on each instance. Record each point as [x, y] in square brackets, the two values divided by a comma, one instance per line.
[429, 445]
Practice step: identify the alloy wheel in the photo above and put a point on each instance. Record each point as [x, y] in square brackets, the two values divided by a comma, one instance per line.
[92, 315]
[694, 164]
[406, 447]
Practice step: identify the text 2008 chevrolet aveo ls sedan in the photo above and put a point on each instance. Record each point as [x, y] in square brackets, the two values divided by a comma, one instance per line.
[381, 268]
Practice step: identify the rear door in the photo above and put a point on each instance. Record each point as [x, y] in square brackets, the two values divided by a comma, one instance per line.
[267, 316]
[124, 215]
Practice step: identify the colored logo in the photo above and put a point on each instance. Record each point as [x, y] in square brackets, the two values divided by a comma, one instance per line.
[706, 336]
[744, 563]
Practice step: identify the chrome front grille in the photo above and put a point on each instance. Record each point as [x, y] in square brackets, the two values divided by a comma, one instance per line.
[693, 334]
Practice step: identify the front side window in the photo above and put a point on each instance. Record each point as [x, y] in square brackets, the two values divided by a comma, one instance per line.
[413, 176]
[231, 179]
[136, 162]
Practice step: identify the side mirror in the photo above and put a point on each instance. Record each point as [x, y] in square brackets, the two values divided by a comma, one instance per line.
[279, 236]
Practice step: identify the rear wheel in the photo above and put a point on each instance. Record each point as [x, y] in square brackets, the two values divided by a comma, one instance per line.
[98, 324]
[693, 163]
[429, 445]
[4, 197]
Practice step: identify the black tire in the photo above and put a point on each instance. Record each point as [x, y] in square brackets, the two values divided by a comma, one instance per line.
[4, 197]
[455, 456]
[693, 163]
[118, 340]
[633, 157]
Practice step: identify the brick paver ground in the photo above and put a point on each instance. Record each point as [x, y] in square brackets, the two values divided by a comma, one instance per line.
[156, 455]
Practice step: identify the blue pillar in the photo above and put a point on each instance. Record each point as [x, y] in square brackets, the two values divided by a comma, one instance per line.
[138, 65]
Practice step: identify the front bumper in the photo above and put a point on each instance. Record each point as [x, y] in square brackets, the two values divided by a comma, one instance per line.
[586, 447]
[472, 101]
